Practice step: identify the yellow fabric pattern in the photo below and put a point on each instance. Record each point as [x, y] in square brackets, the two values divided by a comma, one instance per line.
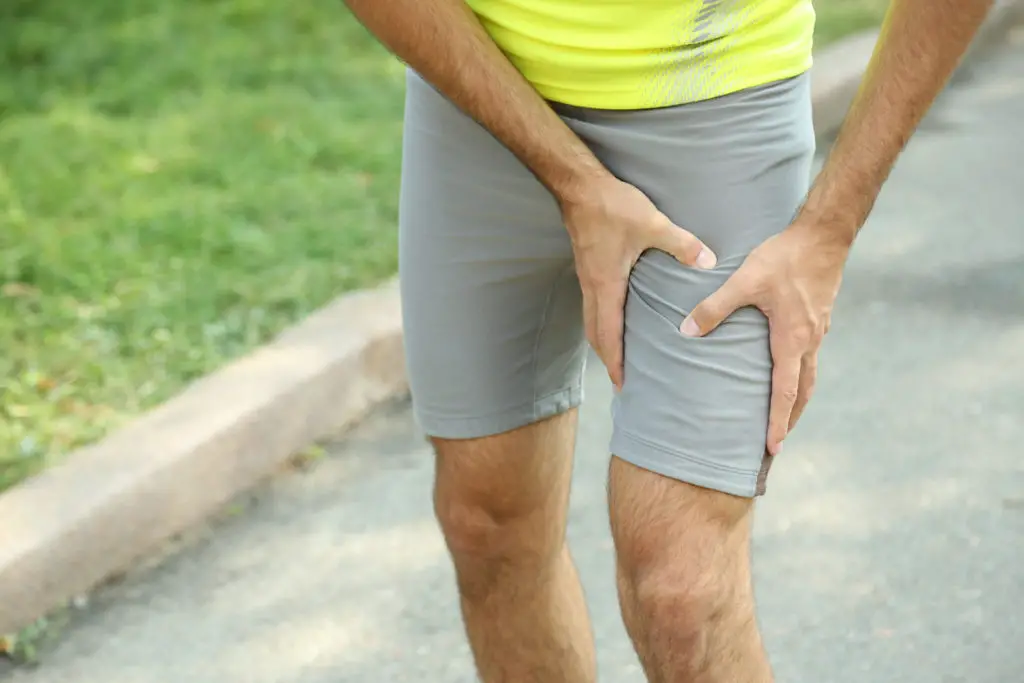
[640, 54]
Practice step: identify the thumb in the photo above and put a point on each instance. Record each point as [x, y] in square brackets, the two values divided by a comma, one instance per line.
[710, 313]
[683, 245]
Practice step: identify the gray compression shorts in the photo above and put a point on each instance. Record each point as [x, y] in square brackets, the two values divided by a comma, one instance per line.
[492, 307]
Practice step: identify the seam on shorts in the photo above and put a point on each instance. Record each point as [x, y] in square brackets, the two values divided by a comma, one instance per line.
[696, 472]
[500, 411]
[535, 359]
[500, 420]
[695, 460]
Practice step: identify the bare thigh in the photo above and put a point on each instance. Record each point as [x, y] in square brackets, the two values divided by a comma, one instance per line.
[683, 564]
[504, 497]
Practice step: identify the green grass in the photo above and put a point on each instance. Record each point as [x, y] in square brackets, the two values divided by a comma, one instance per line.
[179, 181]
[838, 18]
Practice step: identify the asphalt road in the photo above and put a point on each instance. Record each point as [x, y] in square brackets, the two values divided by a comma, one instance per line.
[890, 546]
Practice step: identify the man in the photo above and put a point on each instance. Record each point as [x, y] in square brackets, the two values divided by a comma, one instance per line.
[634, 174]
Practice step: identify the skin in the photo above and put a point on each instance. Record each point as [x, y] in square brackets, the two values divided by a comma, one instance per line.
[682, 551]
[794, 277]
[502, 503]
[610, 222]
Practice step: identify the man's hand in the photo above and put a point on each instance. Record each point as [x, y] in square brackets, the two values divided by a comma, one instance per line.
[611, 224]
[793, 278]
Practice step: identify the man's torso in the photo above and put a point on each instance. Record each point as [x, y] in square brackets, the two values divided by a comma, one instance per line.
[640, 54]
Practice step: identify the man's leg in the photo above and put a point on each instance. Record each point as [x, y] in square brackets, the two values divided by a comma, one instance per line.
[683, 573]
[502, 503]
[495, 351]
[690, 422]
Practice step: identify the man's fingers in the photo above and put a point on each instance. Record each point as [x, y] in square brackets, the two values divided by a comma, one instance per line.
[610, 305]
[683, 245]
[710, 313]
[785, 391]
[808, 377]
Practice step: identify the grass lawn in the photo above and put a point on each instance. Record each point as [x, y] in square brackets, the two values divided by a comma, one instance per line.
[838, 18]
[179, 181]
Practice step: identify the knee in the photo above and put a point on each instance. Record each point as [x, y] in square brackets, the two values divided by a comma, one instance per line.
[685, 600]
[685, 610]
[486, 547]
[472, 529]
[683, 570]
[501, 504]
[496, 527]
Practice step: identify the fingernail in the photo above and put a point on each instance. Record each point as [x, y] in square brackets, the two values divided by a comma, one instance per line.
[690, 327]
[706, 259]
[778, 448]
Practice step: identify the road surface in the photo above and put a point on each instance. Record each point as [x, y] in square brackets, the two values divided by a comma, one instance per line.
[889, 548]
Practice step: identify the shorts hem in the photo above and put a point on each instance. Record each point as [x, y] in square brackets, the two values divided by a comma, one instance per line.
[478, 426]
[685, 467]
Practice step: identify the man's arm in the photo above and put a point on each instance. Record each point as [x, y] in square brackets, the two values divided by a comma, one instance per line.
[609, 222]
[794, 277]
[445, 43]
[920, 45]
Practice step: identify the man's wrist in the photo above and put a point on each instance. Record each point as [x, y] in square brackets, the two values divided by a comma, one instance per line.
[834, 227]
[838, 206]
[575, 182]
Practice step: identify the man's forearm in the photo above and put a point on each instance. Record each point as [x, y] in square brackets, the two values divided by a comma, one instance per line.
[921, 43]
[446, 44]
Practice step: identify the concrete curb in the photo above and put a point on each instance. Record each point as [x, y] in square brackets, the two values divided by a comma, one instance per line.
[79, 523]
[108, 505]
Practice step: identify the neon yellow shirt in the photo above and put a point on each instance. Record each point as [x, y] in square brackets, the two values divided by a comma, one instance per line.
[638, 54]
